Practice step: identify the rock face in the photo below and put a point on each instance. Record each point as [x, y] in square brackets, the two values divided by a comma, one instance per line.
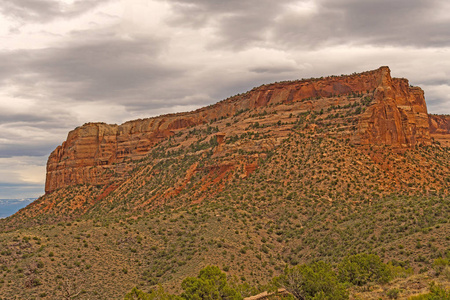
[440, 129]
[399, 116]
[98, 153]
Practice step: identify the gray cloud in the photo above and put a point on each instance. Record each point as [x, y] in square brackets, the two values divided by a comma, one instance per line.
[11, 63]
[17, 191]
[112, 70]
[272, 70]
[22, 119]
[32, 138]
[437, 98]
[106, 70]
[241, 24]
[208, 8]
[238, 24]
[27, 149]
[43, 11]
[382, 23]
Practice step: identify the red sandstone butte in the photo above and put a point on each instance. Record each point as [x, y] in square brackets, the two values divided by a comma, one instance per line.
[399, 117]
[95, 152]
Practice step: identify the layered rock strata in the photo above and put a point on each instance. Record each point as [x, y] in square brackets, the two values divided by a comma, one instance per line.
[440, 129]
[96, 152]
[398, 117]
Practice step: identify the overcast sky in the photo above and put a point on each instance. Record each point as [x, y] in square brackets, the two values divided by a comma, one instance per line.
[64, 62]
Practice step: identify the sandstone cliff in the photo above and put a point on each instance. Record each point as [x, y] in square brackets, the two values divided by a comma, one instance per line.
[440, 129]
[399, 116]
[97, 153]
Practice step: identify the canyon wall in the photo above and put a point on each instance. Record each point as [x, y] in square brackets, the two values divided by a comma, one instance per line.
[97, 153]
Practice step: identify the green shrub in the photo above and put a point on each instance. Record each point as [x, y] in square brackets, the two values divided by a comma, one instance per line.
[440, 264]
[316, 280]
[361, 269]
[393, 293]
[210, 284]
[158, 294]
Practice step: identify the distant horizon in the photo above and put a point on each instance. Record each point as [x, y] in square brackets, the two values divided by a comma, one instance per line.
[8, 207]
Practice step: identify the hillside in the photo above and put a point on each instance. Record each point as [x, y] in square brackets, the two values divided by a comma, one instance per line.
[286, 173]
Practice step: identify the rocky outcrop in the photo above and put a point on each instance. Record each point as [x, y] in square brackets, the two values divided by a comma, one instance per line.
[440, 129]
[439, 124]
[95, 152]
[398, 116]
[98, 153]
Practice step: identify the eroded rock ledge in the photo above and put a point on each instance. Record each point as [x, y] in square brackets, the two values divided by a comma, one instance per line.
[95, 152]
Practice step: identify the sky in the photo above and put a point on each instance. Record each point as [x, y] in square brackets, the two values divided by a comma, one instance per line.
[64, 63]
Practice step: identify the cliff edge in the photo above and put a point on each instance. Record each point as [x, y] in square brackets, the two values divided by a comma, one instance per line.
[98, 153]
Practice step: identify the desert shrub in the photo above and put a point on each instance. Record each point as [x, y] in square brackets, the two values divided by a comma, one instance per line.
[440, 264]
[158, 294]
[361, 269]
[210, 284]
[393, 293]
[399, 269]
[437, 292]
[446, 272]
[315, 280]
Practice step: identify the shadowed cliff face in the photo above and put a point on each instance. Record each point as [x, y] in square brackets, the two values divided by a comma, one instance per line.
[97, 153]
